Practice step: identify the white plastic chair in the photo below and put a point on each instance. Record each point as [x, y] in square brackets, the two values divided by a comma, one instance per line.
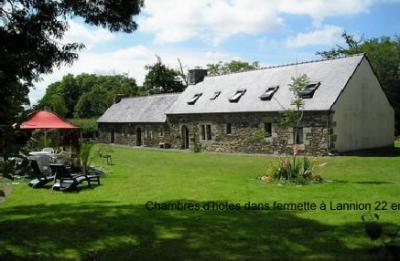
[48, 150]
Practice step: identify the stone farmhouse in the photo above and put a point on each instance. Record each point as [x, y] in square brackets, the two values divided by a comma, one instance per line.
[345, 109]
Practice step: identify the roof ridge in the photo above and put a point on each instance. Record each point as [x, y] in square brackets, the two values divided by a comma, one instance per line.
[152, 95]
[290, 64]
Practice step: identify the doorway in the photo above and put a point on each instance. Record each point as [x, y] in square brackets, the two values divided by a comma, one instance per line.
[185, 137]
[138, 137]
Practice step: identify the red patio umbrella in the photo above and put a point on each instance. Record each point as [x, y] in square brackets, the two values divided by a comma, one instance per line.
[45, 120]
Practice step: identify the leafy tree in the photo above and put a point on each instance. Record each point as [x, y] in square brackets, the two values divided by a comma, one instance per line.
[86, 95]
[70, 91]
[93, 103]
[231, 67]
[384, 54]
[293, 118]
[87, 127]
[55, 103]
[290, 117]
[30, 33]
[161, 79]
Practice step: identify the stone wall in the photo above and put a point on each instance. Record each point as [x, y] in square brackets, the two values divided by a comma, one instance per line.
[247, 134]
[151, 134]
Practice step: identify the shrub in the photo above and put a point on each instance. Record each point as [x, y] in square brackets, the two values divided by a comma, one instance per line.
[84, 155]
[294, 169]
[196, 143]
[88, 127]
[7, 169]
[196, 147]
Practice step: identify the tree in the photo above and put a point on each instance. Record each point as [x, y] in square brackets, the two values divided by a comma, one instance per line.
[86, 95]
[55, 103]
[384, 54]
[70, 91]
[13, 97]
[293, 118]
[93, 103]
[161, 79]
[231, 67]
[30, 34]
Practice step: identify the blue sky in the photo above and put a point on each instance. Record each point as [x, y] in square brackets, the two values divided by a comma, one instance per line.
[206, 31]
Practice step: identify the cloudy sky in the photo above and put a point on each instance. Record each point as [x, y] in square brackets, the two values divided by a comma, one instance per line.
[205, 31]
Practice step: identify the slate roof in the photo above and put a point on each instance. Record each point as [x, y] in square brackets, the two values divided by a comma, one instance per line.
[333, 74]
[146, 109]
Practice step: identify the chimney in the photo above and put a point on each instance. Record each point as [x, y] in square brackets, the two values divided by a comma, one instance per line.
[196, 75]
[118, 97]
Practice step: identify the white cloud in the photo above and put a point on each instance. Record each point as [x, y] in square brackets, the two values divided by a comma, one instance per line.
[80, 33]
[328, 35]
[131, 61]
[318, 10]
[205, 20]
[216, 20]
[210, 20]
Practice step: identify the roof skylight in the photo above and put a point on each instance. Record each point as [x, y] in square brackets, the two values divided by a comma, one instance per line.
[215, 95]
[269, 92]
[194, 99]
[308, 92]
[236, 97]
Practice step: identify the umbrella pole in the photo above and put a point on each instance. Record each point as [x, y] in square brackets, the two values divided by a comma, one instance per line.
[45, 138]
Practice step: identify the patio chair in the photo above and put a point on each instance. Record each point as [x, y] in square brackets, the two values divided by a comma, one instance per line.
[65, 180]
[48, 150]
[41, 178]
[106, 156]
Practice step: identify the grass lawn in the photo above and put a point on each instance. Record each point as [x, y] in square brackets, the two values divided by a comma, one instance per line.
[111, 222]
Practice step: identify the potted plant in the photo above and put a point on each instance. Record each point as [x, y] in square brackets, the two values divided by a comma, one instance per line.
[84, 155]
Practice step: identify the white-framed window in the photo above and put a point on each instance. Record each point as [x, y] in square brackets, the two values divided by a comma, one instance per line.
[309, 90]
[269, 92]
[215, 95]
[194, 99]
[238, 94]
[299, 138]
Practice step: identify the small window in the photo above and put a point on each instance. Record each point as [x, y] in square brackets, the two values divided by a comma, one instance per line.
[228, 128]
[203, 132]
[161, 132]
[309, 90]
[268, 129]
[269, 92]
[209, 136]
[194, 99]
[236, 97]
[215, 95]
[298, 139]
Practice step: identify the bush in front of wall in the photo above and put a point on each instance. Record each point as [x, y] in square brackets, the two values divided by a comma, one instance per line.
[295, 169]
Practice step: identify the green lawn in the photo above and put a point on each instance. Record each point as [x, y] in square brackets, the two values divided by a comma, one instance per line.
[110, 222]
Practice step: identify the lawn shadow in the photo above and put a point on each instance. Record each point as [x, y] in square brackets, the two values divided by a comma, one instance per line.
[103, 231]
[367, 182]
[379, 152]
[80, 187]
